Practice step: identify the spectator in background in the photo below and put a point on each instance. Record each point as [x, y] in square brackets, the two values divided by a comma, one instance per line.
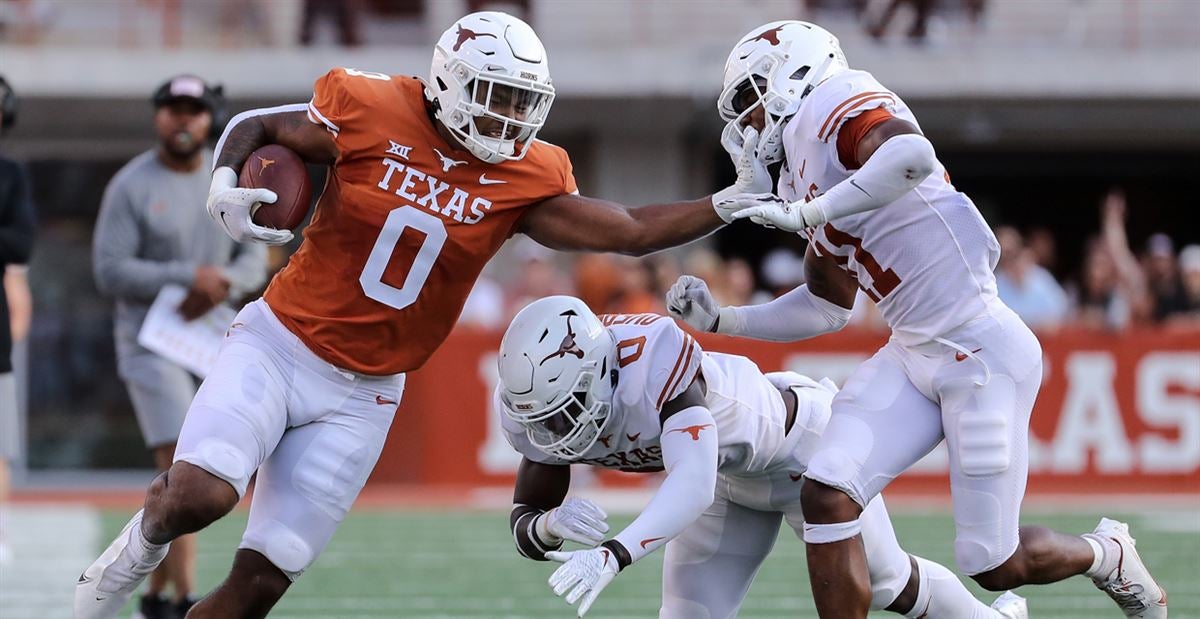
[1162, 277]
[1026, 287]
[16, 243]
[344, 12]
[1040, 241]
[1187, 315]
[153, 230]
[1113, 289]
[538, 275]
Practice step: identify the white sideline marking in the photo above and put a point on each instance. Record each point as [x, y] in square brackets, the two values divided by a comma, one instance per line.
[51, 545]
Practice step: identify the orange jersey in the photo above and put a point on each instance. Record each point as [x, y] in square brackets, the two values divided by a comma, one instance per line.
[403, 228]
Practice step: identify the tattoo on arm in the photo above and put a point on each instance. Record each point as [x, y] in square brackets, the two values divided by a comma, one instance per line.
[243, 139]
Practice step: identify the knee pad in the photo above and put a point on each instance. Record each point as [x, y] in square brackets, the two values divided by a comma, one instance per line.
[983, 443]
[830, 533]
[222, 459]
[282, 546]
[979, 544]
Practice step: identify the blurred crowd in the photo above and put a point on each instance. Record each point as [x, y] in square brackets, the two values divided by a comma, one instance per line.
[1117, 286]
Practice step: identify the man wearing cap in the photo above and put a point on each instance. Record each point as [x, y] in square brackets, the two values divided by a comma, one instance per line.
[153, 230]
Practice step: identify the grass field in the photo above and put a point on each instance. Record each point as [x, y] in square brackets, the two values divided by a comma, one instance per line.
[427, 564]
[432, 564]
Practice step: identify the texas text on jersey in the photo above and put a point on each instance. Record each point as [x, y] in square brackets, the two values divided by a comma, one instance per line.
[421, 215]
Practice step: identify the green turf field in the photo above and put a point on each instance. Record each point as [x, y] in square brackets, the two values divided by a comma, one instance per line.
[462, 564]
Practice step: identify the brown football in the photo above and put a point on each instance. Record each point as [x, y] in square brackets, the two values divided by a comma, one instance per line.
[279, 169]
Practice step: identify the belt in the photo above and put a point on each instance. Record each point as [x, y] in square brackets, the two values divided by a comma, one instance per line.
[790, 404]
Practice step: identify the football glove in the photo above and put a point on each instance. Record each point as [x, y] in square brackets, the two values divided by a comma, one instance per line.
[232, 206]
[582, 575]
[577, 520]
[689, 300]
[790, 216]
[753, 179]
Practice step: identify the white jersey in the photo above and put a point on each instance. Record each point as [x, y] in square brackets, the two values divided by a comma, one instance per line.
[657, 361]
[925, 259]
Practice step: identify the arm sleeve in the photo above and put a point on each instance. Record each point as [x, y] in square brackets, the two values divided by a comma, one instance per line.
[247, 270]
[797, 315]
[16, 220]
[118, 270]
[896, 168]
[689, 447]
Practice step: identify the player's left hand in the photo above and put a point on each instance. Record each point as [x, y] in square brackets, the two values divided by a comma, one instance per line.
[790, 216]
[583, 574]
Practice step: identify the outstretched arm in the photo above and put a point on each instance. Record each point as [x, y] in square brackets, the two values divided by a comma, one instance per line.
[689, 448]
[821, 305]
[541, 520]
[572, 222]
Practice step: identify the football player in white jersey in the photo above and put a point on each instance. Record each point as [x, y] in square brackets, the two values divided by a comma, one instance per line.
[863, 184]
[636, 393]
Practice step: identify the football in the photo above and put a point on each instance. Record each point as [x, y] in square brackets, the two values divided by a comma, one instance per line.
[281, 170]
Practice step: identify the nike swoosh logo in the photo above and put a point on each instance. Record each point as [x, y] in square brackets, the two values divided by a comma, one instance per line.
[856, 186]
[633, 437]
[83, 579]
[484, 180]
[961, 356]
[795, 477]
[382, 401]
[647, 542]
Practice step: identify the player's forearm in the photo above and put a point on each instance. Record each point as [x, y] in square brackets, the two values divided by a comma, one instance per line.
[662, 226]
[689, 444]
[797, 315]
[896, 168]
[530, 543]
[252, 129]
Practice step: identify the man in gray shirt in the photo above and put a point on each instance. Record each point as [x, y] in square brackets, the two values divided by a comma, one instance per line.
[153, 230]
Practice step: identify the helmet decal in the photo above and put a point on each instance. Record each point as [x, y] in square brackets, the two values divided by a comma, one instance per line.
[465, 35]
[568, 345]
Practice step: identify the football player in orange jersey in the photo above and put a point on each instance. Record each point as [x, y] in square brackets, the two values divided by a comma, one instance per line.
[426, 181]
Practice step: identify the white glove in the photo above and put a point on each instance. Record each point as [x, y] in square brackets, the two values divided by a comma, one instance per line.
[232, 206]
[583, 574]
[752, 178]
[578, 520]
[689, 300]
[790, 216]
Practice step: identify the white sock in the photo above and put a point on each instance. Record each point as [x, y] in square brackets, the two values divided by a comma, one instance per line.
[1105, 560]
[136, 560]
[942, 595]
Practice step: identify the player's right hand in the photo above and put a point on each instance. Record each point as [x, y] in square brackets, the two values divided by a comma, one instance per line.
[753, 179]
[231, 207]
[583, 575]
[577, 520]
[689, 300]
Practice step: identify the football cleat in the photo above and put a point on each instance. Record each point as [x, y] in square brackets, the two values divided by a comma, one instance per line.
[1011, 606]
[106, 585]
[1130, 584]
[154, 607]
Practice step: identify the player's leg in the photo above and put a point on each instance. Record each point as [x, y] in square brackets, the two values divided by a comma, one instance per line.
[161, 393]
[986, 406]
[913, 586]
[234, 423]
[303, 491]
[708, 568]
[880, 426]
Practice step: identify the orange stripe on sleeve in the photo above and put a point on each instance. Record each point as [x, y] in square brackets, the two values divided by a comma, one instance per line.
[854, 131]
[848, 103]
[662, 397]
[860, 104]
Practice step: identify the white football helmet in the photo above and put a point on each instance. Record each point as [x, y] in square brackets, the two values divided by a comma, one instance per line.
[490, 68]
[775, 65]
[556, 375]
